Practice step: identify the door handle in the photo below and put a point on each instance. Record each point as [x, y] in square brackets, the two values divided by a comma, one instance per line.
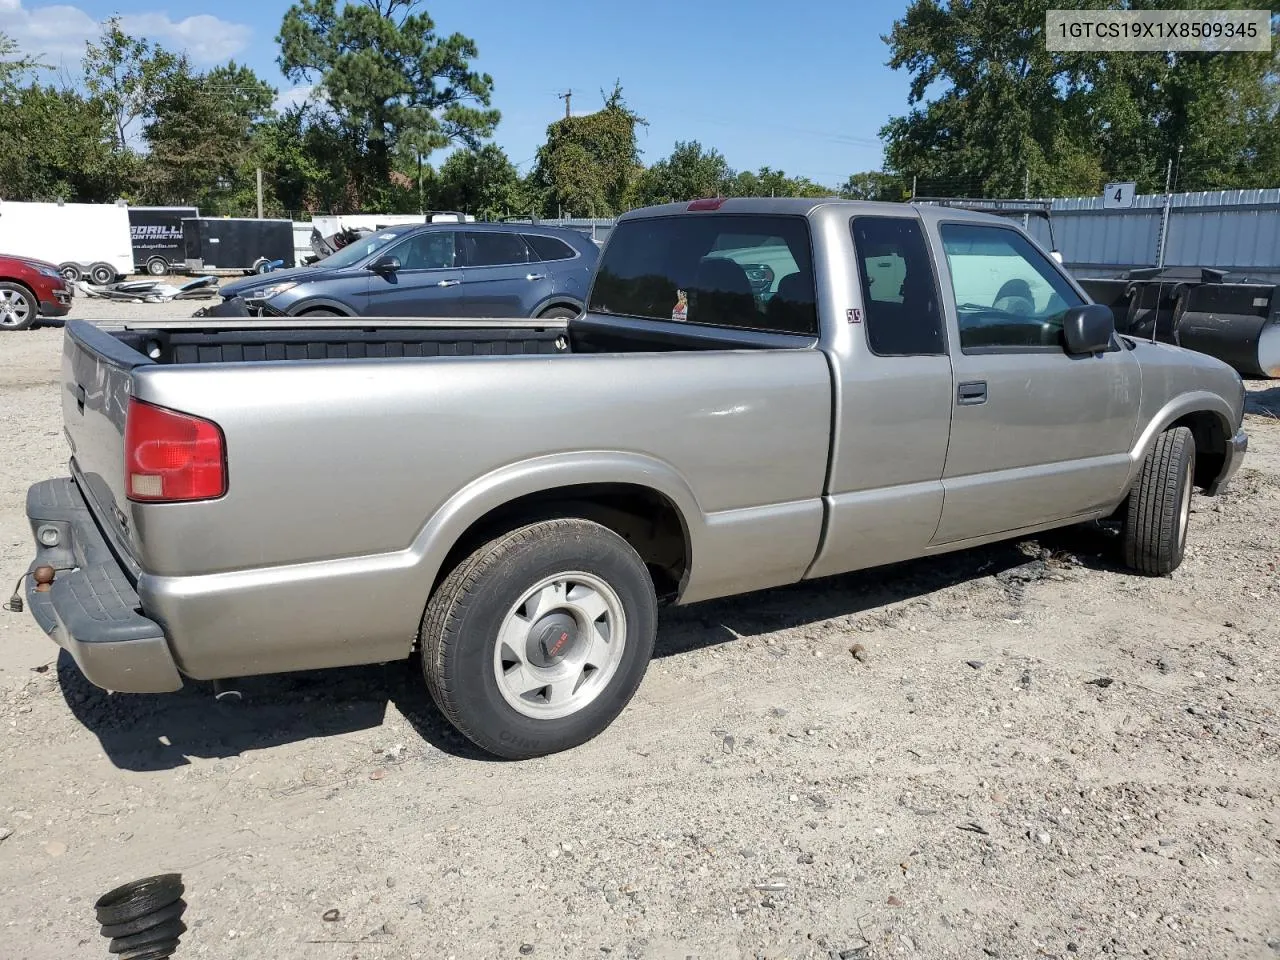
[971, 392]
[448, 283]
[535, 276]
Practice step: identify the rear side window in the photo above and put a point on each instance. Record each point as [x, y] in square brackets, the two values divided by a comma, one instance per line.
[493, 249]
[900, 297]
[549, 248]
[746, 272]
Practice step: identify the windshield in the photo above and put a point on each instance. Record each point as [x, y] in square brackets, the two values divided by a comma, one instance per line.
[353, 253]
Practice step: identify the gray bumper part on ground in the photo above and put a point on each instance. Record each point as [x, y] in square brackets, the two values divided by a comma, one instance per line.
[92, 610]
[1235, 455]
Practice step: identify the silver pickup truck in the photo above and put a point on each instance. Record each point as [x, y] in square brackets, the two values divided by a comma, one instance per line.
[759, 392]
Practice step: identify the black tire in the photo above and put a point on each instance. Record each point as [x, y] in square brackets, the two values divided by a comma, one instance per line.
[138, 898]
[321, 312]
[1158, 509]
[261, 267]
[157, 267]
[559, 313]
[460, 633]
[71, 272]
[19, 308]
[102, 274]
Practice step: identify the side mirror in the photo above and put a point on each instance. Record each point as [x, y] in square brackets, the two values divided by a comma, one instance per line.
[1088, 328]
[385, 264]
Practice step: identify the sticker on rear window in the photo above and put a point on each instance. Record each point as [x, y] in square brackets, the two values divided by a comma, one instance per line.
[681, 310]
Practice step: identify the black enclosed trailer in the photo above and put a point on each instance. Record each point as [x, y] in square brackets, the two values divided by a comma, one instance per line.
[157, 238]
[243, 244]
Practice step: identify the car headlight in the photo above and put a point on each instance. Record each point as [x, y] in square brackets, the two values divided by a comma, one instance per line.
[270, 290]
[50, 272]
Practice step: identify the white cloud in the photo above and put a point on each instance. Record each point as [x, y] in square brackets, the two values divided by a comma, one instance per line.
[206, 39]
[293, 97]
[58, 33]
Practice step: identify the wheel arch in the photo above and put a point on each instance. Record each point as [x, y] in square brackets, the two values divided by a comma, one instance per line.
[641, 499]
[558, 300]
[1210, 420]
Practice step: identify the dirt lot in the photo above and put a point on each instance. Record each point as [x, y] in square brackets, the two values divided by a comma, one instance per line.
[1026, 759]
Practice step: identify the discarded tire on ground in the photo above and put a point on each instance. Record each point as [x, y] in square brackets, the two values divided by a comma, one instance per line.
[143, 919]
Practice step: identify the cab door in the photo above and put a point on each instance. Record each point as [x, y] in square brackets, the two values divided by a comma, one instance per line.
[1037, 435]
[428, 282]
[501, 276]
[893, 381]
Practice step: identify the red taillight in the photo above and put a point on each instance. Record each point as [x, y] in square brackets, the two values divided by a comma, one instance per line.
[172, 456]
[710, 203]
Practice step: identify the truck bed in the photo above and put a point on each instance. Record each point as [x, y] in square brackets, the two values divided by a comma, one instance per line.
[257, 340]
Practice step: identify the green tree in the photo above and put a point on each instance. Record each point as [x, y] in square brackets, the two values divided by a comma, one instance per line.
[873, 185]
[128, 75]
[13, 64]
[767, 182]
[306, 157]
[382, 69]
[201, 138]
[58, 147]
[589, 164]
[690, 172]
[994, 113]
[480, 182]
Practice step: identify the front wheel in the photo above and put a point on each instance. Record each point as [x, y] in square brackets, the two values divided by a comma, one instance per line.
[1158, 510]
[18, 309]
[537, 641]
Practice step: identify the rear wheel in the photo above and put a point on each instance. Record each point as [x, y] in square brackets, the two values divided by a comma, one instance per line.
[70, 271]
[321, 312]
[537, 641]
[1158, 510]
[18, 308]
[558, 313]
[157, 267]
[102, 274]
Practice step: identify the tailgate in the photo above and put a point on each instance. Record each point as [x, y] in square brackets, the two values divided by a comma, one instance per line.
[97, 380]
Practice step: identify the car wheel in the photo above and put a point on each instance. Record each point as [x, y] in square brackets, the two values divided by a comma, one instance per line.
[1158, 510]
[262, 266]
[70, 272]
[321, 312]
[18, 309]
[102, 274]
[157, 267]
[558, 313]
[537, 641]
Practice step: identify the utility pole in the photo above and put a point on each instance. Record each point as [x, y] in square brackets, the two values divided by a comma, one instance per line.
[259, 193]
[566, 97]
[1164, 214]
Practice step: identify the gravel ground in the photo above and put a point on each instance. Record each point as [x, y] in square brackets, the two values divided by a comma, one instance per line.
[1032, 753]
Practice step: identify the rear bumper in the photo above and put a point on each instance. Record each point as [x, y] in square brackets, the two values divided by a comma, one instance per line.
[91, 609]
[1235, 455]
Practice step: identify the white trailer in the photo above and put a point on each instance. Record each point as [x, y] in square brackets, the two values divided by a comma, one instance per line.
[86, 240]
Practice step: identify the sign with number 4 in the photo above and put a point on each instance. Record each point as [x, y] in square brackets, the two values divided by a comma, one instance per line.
[1118, 196]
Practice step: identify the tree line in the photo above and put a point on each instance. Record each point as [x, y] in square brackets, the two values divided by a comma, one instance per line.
[388, 92]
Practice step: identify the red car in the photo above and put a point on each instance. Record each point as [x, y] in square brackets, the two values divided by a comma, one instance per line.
[30, 289]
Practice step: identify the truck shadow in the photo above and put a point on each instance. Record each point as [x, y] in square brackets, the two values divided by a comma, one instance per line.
[1264, 402]
[150, 732]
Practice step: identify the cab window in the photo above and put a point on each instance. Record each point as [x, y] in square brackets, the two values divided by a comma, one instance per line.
[1009, 297]
[742, 271]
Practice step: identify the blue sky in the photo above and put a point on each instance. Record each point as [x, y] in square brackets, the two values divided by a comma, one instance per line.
[801, 88]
